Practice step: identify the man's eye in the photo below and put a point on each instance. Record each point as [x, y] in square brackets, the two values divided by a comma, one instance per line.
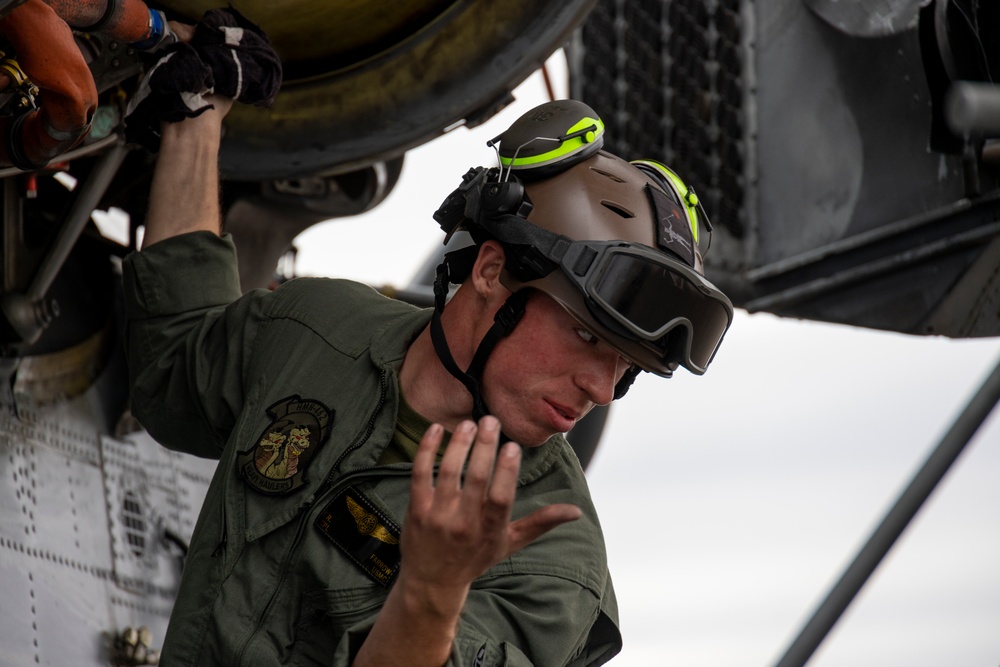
[586, 335]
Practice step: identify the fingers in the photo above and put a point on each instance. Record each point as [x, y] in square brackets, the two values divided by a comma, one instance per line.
[482, 442]
[505, 475]
[450, 471]
[422, 484]
[484, 452]
[458, 525]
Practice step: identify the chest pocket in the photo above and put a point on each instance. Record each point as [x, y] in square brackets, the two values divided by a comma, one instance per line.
[337, 591]
[327, 615]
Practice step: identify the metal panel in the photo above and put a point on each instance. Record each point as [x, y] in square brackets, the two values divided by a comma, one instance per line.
[90, 528]
[807, 135]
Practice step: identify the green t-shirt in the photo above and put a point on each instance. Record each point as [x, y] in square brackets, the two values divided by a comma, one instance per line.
[410, 428]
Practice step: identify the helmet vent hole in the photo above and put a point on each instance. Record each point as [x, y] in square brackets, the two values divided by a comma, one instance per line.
[607, 174]
[618, 208]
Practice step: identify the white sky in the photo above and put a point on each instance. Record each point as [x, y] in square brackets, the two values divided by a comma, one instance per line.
[731, 502]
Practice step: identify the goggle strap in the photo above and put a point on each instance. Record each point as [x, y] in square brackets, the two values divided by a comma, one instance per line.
[516, 230]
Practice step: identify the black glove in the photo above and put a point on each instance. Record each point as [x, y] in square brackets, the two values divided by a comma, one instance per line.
[245, 66]
[228, 55]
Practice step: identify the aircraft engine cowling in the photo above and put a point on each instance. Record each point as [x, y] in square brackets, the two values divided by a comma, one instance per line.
[365, 81]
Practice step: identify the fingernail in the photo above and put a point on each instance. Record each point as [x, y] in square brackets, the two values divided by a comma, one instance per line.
[466, 427]
[489, 423]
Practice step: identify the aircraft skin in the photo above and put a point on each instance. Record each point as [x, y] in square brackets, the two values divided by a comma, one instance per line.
[94, 515]
[92, 534]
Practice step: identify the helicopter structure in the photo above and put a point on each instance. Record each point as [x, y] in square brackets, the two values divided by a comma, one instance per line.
[840, 192]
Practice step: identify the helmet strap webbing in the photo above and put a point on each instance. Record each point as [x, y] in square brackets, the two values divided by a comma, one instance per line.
[504, 321]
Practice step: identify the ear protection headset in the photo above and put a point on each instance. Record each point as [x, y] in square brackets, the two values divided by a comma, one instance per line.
[645, 297]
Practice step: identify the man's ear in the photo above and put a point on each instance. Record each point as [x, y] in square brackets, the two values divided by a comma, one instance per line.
[487, 269]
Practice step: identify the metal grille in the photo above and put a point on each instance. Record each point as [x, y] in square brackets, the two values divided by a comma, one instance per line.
[668, 78]
[134, 523]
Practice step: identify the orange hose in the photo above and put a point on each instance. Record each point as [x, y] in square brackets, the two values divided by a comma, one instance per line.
[129, 20]
[67, 97]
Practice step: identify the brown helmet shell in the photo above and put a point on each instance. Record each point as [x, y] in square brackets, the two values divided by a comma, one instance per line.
[603, 198]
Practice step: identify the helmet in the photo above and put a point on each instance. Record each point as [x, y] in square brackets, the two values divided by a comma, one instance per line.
[617, 244]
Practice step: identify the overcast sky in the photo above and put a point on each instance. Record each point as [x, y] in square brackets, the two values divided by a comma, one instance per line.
[731, 502]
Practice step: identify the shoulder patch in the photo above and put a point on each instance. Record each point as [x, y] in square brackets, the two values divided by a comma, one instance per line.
[278, 463]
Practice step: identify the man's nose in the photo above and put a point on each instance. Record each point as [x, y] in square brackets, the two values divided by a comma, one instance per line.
[599, 375]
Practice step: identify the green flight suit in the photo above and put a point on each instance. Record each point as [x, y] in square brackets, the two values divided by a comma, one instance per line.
[295, 392]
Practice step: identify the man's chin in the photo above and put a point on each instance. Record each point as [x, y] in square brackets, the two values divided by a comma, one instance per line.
[528, 439]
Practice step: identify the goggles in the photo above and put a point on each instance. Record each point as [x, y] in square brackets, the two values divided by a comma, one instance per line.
[644, 296]
[657, 310]
[637, 293]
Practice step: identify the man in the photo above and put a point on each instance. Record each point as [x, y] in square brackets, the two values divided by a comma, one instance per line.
[339, 529]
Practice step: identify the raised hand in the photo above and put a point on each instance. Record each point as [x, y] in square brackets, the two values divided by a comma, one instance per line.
[456, 528]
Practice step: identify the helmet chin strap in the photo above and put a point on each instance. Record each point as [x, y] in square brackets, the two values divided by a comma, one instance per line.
[457, 265]
[504, 321]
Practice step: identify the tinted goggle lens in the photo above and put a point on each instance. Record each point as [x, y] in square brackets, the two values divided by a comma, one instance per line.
[649, 298]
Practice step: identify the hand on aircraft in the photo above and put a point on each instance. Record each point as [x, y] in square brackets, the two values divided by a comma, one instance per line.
[224, 55]
[454, 530]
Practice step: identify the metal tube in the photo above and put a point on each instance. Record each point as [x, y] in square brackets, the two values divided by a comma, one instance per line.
[972, 109]
[86, 201]
[80, 151]
[895, 521]
[12, 215]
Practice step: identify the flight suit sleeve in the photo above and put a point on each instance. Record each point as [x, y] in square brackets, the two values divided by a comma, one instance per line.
[522, 621]
[527, 620]
[188, 336]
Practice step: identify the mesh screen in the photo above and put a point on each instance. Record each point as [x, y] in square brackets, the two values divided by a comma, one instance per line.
[667, 77]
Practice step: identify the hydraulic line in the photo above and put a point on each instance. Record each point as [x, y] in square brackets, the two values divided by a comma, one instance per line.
[40, 33]
[124, 20]
[67, 98]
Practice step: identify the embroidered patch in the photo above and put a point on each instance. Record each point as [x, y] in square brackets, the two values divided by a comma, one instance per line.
[364, 533]
[278, 463]
[673, 229]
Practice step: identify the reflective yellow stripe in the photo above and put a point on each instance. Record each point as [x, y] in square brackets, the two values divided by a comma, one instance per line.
[564, 148]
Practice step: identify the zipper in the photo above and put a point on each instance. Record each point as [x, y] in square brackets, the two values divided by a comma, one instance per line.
[305, 519]
[293, 548]
[219, 550]
[368, 429]
[328, 485]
